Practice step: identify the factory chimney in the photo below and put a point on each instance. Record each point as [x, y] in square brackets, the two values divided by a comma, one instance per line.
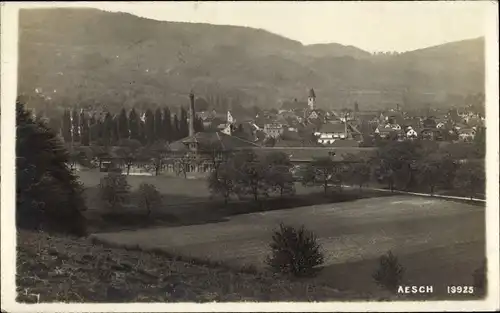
[191, 114]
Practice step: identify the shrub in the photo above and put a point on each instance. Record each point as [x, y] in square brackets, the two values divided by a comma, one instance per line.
[114, 191]
[480, 277]
[48, 193]
[389, 274]
[149, 197]
[294, 252]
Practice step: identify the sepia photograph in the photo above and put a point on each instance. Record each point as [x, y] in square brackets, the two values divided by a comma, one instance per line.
[246, 156]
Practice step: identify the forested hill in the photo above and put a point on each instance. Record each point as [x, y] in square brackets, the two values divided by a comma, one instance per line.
[92, 56]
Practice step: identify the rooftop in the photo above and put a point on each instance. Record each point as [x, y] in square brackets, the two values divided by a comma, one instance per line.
[312, 94]
[212, 141]
[307, 154]
[335, 127]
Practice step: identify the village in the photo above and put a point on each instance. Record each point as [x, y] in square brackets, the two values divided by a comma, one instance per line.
[301, 129]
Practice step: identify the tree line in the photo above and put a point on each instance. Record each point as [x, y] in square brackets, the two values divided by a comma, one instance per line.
[248, 174]
[107, 129]
[406, 166]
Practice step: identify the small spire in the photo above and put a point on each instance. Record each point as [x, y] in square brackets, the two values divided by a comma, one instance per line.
[312, 94]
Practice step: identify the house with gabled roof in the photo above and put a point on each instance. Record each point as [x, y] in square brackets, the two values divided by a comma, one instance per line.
[385, 132]
[195, 155]
[274, 129]
[412, 133]
[466, 134]
[330, 132]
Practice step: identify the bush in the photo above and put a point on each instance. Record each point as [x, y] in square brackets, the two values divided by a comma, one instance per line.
[480, 277]
[295, 252]
[48, 194]
[114, 191]
[389, 273]
[149, 197]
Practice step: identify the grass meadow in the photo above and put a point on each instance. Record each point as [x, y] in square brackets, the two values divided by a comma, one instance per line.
[439, 242]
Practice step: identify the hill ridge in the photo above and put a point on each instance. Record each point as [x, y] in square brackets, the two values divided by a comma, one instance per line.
[130, 60]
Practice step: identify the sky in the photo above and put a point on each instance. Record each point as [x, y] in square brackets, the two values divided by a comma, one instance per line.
[372, 26]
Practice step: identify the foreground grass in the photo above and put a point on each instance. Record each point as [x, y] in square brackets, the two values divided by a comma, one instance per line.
[62, 269]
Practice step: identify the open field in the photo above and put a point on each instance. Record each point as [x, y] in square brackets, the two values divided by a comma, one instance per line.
[176, 187]
[188, 202]
[439, 242]
[179, 189]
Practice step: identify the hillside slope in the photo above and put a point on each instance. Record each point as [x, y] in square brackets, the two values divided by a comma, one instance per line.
[118, 58]
[61, 269]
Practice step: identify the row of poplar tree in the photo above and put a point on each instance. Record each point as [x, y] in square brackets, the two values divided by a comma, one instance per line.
[79, 126]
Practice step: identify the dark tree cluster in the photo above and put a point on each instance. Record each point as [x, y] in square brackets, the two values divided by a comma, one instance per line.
[107, 129]
[48, 193]
[248, 174]
[413, 166]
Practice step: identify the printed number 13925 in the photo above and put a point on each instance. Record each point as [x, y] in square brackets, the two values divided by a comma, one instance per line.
[460, 289]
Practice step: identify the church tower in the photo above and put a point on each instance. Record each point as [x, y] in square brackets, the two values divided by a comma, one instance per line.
[311, 99]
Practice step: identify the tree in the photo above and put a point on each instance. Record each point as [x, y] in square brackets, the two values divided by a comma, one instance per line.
[279, 175]
[320, 170]
[115, 131]
[395, 161]
[176, 131]
[107, 129]
[149, 125]
[384, 174]
[198, 125]
[201, 104]
[133, 122]
[100, 153]
[55, 124]
[149, 197]
[75, 125]
[294, 251]
[129, 150]
[359, 173]
[471, 177]
[66, 126]
[216, 155]
[480, 142]
[114, 191]
[75, 157]
[222, 181]
[48, 194]
[85, 129]
[142, 131]
[448, 170]
[182, 164]
[429, 172]
[167, 125]
[390, 272]
[155, 154]
[93, 129]
[158, 125]
[183, 124]
[123, 126]
[251, 174]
